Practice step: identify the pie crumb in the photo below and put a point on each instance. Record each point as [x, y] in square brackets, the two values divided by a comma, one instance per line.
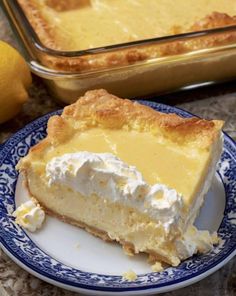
[157, 267]
[129, 275]
[215, 238]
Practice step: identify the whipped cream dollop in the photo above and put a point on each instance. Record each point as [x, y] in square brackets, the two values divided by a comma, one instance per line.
[29, 215]
[110, 178]
[194, 241]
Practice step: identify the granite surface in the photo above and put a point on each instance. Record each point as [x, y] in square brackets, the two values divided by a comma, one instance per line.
[213, 102]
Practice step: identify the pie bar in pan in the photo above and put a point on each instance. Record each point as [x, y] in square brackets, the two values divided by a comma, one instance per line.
[127, 173]
[80, 25]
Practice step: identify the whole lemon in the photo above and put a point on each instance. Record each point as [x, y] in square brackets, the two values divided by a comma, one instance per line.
[15, 78]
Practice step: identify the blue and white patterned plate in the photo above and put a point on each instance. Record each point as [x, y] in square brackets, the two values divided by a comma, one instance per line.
[96, 267]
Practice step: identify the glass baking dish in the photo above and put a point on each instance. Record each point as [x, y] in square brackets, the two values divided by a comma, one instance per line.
[205, 57]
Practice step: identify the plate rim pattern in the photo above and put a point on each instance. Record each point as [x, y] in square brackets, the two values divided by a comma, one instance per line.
[17, 145]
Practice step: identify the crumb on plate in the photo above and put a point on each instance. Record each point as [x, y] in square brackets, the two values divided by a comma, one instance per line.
[157, 267]
[129, 275]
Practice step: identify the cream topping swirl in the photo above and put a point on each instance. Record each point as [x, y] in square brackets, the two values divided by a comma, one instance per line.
[110, 178]
[29, 215]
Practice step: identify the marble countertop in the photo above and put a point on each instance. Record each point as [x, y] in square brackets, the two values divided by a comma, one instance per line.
[213, 102]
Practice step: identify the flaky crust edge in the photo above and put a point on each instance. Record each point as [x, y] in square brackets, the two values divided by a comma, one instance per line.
[131, 55]
[99, 109]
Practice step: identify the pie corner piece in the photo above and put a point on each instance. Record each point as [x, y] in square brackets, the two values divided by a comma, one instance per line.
[95, 158]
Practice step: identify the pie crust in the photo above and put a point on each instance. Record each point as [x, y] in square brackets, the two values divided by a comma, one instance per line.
[98, 108]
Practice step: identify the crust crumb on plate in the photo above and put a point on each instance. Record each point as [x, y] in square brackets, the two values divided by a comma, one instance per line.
[157, 267]
[129, 275]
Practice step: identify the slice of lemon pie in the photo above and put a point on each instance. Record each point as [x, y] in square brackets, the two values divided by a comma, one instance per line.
[127, 173]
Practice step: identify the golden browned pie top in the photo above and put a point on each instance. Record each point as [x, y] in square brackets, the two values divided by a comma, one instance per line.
[99, 109]
[78, 25]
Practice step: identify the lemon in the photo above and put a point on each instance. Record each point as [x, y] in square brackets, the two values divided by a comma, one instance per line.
[15, 78]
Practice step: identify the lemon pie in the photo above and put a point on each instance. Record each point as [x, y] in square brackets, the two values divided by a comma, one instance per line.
[127, 173]
[74, 25]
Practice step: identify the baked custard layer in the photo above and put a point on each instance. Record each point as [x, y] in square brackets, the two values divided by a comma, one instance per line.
[159, 161]
[77, 25]
[165, 148]
[108, 220]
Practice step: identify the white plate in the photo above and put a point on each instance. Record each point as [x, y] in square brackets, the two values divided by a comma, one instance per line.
[73, 259]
